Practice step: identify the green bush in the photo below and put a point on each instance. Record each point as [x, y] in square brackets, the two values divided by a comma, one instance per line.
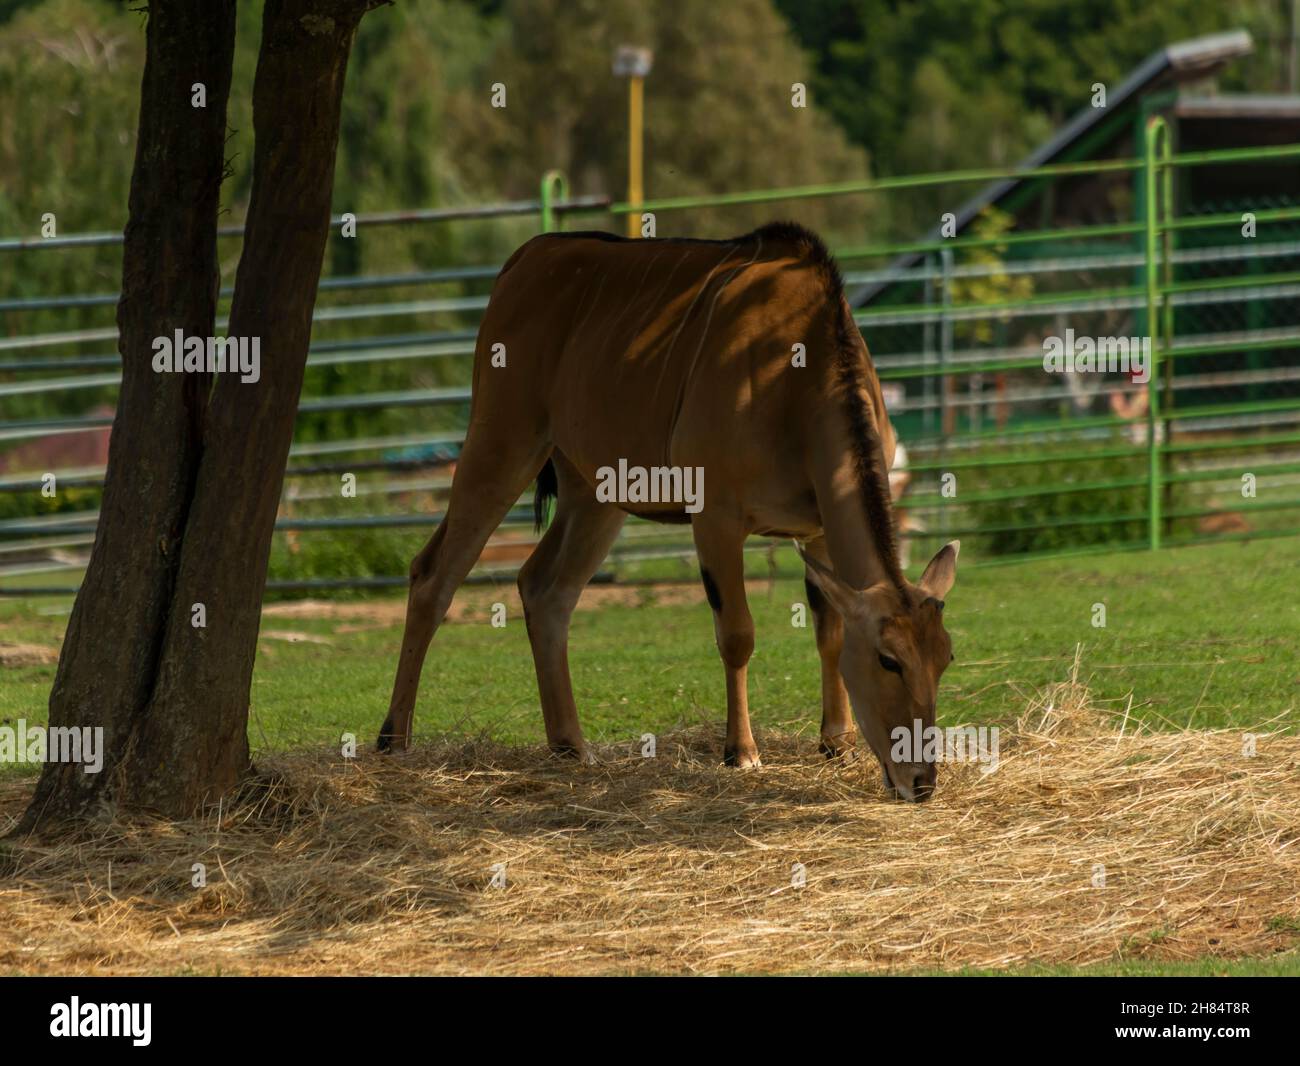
[31, 504]
[344, 553]
[1037, 508]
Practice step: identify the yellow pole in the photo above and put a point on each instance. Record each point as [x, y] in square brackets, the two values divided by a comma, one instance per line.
[635, 115]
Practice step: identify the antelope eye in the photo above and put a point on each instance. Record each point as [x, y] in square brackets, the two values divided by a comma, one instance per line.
[891, 665]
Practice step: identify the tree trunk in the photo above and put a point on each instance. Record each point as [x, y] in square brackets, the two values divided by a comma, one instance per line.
[195, 467]
[169, 281]
[199, 711]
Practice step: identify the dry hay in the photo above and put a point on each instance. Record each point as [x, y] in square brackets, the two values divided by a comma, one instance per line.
[677, 865]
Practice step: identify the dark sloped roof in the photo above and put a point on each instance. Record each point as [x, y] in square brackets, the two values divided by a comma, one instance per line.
[1183, 60]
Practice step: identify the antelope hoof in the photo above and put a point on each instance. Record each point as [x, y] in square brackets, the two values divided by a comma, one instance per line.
[838, 746]
[563, 749]
[741, 757]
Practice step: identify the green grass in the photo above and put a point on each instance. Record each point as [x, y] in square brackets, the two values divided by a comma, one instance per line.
[1202, 637]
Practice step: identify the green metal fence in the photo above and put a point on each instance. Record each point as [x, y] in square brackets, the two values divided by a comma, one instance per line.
[1036, 467]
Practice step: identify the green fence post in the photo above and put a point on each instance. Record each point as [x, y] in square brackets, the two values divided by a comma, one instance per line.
[1156, 129]
[555, 186]
[1167, 318]
[928, 382]
[945, 352]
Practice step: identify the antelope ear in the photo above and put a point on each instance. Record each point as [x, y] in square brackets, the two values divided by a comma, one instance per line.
[942, 571]
[842, 596]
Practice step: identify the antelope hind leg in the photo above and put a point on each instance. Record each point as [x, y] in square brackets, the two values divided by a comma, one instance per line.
[484, 488]
[550, 583]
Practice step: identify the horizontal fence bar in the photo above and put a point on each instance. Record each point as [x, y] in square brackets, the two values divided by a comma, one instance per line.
[1064, 488]
[954, 360]
[1112, 421]
[1229, 218]
[1085, 303]
[1133, 452]
[343, 283]
[1077, 264]
[85, 522]
[321, 353]
[957, 369]
[914, 181]
[1054, 302]
[1222, 473]
[375, 218]
[1071, 233]
[1266, 154]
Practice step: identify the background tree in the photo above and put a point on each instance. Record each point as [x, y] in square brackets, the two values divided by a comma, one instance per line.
[718, 109]
[1018, 66]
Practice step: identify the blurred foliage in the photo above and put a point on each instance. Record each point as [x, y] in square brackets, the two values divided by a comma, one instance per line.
[1036, 497]
[343, 553]
[32, 504]
[718, 109]
[976, 83]
[998, 286]
[932, 85]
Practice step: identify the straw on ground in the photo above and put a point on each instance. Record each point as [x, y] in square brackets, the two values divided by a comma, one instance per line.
[674, 864]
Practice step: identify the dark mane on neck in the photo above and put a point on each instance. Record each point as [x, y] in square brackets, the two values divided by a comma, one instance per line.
[868, 454]
[851, 371]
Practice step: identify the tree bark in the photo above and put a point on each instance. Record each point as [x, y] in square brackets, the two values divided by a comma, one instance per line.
[170, 281]
[196, 466]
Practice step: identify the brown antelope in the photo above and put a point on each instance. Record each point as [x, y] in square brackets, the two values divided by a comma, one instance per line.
[738, 358]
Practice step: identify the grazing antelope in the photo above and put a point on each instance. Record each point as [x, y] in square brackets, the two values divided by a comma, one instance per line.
[735, 358]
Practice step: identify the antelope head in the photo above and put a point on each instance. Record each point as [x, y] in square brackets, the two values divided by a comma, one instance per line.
[895, 650]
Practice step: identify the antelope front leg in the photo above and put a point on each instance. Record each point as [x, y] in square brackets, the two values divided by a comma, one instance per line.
[839, 735]
[722, 569]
